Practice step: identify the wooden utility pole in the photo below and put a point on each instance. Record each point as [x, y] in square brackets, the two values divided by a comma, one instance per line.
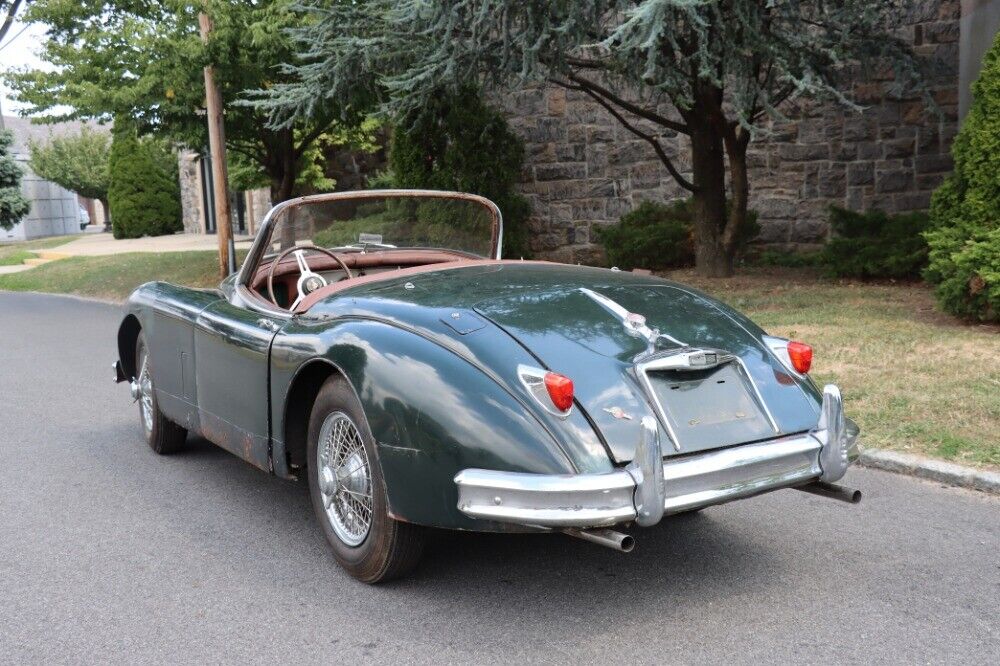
[217, 146]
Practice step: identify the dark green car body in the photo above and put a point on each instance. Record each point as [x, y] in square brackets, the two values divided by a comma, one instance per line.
[433, 359]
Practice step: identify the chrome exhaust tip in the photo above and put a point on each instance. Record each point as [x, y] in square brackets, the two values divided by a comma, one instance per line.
[612, 539]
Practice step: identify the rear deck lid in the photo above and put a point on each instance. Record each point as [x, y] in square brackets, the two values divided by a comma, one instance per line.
[747, 399]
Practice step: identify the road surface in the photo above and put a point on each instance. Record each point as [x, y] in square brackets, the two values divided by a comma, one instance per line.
[109, 553]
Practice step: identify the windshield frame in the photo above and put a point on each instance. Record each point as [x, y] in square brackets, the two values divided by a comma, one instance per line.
[258, 249]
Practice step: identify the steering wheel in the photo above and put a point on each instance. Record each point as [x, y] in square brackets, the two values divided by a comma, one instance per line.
[309, 281]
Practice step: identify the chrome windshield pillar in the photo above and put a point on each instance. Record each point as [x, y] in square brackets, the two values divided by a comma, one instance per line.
[647, 470]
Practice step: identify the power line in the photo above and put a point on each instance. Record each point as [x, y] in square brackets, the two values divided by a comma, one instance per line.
[14, 38]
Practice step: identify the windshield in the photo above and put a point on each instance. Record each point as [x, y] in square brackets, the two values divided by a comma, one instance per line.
[388, 219]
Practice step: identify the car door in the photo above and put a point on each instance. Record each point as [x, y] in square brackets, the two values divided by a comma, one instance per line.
[232, 346]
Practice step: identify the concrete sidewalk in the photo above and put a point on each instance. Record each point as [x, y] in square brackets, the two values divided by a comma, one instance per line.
[93, 245]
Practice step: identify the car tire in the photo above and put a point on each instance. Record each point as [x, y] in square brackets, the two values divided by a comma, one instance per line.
[347, 471]
[163, 435]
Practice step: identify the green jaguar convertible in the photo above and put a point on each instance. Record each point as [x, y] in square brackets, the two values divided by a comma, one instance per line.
[375, 344]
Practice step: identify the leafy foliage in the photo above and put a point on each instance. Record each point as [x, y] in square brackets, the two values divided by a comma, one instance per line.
[78, 162]
[875, 245]
[144, 60]
[13, 205]
[658, 236]
[724, 66]
[964, 238]
[143, 193]
[785, 259]
[459, 143]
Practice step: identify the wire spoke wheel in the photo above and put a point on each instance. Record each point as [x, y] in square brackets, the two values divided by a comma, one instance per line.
[146, 393]
[344, 475]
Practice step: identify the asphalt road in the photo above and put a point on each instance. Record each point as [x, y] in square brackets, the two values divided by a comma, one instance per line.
[109, 553]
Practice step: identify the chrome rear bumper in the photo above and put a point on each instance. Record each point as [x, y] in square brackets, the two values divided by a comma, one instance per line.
[652, 486]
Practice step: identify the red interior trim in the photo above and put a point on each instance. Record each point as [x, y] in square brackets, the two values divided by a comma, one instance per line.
[343, 285]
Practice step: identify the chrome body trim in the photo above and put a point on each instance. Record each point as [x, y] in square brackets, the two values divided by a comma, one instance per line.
[635, 324]
[832, 431]
[646, 469]
[533, 380]
[687, 359]
[264, 230]
[652, 486]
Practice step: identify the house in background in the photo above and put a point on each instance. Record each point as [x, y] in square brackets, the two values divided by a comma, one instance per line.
[55, 211]
[246, 208]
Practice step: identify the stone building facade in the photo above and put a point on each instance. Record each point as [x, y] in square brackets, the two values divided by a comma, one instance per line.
[246, 208]
[584, 170]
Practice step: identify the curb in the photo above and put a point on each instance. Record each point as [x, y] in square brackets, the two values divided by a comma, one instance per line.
[932, 470]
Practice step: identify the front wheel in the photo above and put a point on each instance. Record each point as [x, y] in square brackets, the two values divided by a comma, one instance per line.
[348, 493]
[163, 435]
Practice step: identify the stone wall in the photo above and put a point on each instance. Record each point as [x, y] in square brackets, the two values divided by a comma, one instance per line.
[189, 174]
[257, 202]
[584, 170]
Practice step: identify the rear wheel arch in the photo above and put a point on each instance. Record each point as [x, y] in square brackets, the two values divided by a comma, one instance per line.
[128, 336]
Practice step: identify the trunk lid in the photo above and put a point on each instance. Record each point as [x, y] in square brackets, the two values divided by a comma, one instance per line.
[748, 399]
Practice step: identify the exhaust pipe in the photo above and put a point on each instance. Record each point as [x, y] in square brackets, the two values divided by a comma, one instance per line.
[833, 491]
[602, 537]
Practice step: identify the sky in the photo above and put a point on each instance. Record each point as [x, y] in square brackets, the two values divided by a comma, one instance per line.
[17, 50]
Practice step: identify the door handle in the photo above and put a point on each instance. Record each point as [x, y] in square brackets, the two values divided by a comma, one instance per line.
[268, 324]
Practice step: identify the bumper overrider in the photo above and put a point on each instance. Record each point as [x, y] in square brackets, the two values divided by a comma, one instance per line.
[652, 486]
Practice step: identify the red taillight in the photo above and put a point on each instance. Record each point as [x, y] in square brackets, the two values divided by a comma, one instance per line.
[560, 389]
[801, 356]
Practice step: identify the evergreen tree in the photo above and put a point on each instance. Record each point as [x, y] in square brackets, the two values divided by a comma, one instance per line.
[13, 205]
[144, 193]
[459, 143]
[713, 71]
[964, 239]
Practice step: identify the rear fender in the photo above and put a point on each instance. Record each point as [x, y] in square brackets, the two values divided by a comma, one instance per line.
[431, 412]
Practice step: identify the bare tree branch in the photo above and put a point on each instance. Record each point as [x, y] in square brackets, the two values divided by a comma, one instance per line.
[634, 109]
[681, 180]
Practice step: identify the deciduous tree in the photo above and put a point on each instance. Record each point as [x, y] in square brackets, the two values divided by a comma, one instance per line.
[143, 61]
[78, 162]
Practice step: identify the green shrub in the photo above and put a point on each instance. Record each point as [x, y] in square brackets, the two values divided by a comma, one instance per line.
[144, 194]
[13, 204]
[875, 245]
[656, 236]
[785, 259]
[964, 235]
[459, 143]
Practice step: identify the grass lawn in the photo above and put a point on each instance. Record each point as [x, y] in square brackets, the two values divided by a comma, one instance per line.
[914, 379]
[114, 277]
[12, 254]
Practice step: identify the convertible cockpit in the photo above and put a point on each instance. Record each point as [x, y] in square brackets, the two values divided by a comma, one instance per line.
[308, 273]
[311, 251]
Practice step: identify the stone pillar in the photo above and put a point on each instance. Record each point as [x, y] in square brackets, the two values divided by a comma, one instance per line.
[192, 202]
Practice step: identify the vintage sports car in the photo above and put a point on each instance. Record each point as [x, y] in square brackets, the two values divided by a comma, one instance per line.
[375, 344]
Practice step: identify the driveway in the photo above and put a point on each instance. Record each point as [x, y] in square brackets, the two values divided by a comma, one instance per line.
[109, 553]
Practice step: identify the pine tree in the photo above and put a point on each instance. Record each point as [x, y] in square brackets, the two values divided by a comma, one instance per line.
[13, 205]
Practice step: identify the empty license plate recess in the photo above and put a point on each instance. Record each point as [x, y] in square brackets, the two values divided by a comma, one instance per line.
[709, 409]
